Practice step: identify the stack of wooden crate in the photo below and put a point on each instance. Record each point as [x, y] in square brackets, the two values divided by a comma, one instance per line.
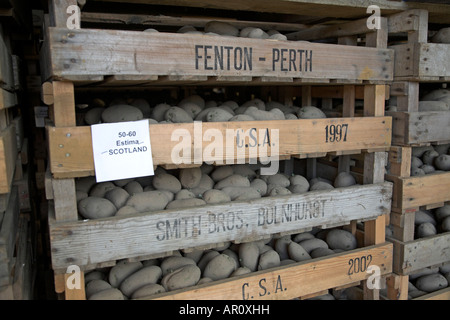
[73, 62]
[15, 253]
[418, 64]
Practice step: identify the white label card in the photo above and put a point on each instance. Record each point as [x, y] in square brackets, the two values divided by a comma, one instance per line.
[122, 150]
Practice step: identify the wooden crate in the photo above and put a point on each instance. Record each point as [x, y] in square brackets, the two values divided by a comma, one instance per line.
[418, 60]
[88, 243]
[443, 294]
[21, 276]
[410, 193]
[72, 59]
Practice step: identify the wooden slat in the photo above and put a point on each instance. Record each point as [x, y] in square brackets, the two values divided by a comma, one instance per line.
[295, 137]
[8, 156]
[86, 53]
[288, 282]
[8, 227]
[410, 128]
[95, 241]
[443, 294]
[416, 255]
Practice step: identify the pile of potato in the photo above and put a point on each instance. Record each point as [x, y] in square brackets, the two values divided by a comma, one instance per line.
[191, 187]
[430, 159]
[195, 108]
[428, 280]
[132, 280]
[220, 28]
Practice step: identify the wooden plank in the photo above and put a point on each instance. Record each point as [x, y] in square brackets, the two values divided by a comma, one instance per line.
[94, 241]
[288, 282]
[420, 127]
[420, 61]
[295, 137]
[422, 190]
[8, 156]
[87, 53]
[421, 253]
[443, 294]
[8, 228]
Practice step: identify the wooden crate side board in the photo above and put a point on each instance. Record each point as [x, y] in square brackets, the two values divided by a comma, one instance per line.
[86, 52]
[8, 228]
[291, 137]
[8, 156]
[94, 241]
[413, 256]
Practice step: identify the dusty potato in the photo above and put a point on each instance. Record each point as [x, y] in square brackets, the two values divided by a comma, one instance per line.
[220, 267]
[184, 194]
[425, 229]
[121, 271]
[431, 282]
[297, 253]
[94, 116]
[242, 193]
[94, 275]
[216, 196]
[108, 294]
[117, 196]
[442, 212]
[172, 263]
[142, 277]
[260, 186]
[221, 173]
[185, 203]
[80, 195]
[235, 180]
[183, 277]
[133, 187]
[416, 162]
[177, 115]
[302, 236]
[240, 271]
[206, 258]
[242, 117]
[445, 224]
[244, 170]
[422, 216]
[148, 201]
[281, 246]
[96, 285]
[344, 179]
[96, 208]
[417, 172]
[299, 180]
[195, 255]
[100, 189]
[442, 162]
[222, 28]
[232, 254]
[126, 210]
[320, 185]
[195, 98]
[121, 113]
[159, 111]
[341, 239]
[191, 108]
[278, 36]
[442, 36]
[278, 179]
[166, 181]
[205, 184]
[310, 112]
[274, 190]
[148, 290]
[249, 255]
[269, 259]
[262, 115]
[427, 168]
[429, 156]
[190, 177]
[311, 244]
[218, 114]
[257, 33]
[320, 252]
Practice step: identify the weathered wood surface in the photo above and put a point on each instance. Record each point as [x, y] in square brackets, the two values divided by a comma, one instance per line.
[71, 154]
[89, 242]
[86, 54]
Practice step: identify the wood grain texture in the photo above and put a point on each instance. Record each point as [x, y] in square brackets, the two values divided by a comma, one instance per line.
[294, 137]
[89, 242]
